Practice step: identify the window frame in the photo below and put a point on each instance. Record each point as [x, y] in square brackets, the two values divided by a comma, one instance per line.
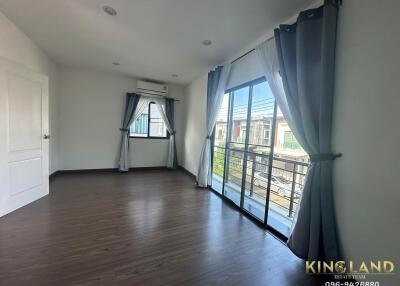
[263, 221]
[268, 161]
[148, 127]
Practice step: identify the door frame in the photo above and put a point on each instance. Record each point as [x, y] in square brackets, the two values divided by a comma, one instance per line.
[264, 222]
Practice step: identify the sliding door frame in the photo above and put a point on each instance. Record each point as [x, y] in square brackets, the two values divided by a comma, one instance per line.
[270, 163]
[228, 135]
[264, 222]
[246, 146]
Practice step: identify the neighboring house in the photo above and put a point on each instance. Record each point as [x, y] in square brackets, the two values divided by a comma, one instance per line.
[284, 142]
[286, 146]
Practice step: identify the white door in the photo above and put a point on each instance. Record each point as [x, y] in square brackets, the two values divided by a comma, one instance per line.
[24, 146]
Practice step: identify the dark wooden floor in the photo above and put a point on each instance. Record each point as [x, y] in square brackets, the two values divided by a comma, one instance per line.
[141, 228]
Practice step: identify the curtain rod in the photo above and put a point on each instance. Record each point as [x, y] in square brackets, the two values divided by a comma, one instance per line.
[159, 97]
[242, 56]
[252, 50]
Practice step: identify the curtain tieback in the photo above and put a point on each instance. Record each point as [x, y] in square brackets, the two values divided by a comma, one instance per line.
[173, 133]
[208, 137]
[324, 157]
[124, 129]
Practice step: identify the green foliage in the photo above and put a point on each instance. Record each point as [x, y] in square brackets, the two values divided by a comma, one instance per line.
[219, 162]
[235, 166]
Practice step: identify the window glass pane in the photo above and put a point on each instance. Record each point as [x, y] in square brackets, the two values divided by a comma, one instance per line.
[235, 153]
[140, 125]
[221, 129]
[222, 122]
[285, 143]
[262, 112]
[157, 126]
[247, 169]
[288, 173]
[239, 117]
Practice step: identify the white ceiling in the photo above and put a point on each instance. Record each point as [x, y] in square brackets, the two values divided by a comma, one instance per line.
[150, 38]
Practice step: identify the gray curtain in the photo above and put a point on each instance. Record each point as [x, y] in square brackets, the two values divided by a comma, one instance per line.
[172, 154]
[306, 55]
[217, 80]
[132, 100]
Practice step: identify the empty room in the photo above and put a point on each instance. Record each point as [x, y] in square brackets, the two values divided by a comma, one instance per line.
[199, 142]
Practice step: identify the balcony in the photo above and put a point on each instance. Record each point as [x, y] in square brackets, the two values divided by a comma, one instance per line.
[250, 173]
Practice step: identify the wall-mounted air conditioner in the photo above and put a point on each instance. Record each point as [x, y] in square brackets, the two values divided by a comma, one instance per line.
[151, 88]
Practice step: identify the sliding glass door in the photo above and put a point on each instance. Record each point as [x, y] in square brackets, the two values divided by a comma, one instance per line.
[236, 144]
[257, 162]
[259, 150]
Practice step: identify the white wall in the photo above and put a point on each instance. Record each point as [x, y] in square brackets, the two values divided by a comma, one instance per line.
[90, 111]
[87, 100]
[243, 70]
[195, 105]
[16, 46]
[366, 130]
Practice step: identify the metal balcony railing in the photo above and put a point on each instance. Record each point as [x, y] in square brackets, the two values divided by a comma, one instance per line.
[287, 178]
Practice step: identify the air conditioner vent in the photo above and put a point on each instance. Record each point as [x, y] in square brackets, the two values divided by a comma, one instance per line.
[151, 88]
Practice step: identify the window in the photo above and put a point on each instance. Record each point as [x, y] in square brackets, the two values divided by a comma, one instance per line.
[290, 141]
[266, 140]
[149, 124]
[257, 162]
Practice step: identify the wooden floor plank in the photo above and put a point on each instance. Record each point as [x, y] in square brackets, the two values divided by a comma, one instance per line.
[141, 228]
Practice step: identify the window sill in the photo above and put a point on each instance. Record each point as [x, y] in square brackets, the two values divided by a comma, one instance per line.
[138, 137]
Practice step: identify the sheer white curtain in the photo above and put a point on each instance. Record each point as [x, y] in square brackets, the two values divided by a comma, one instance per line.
[217, 81]
[172, 147]
[142, 106]
[131, 105]
[268, 58]
[126, 141]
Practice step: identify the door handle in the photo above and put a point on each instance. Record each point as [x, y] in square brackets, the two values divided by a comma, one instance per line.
[46, 136]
